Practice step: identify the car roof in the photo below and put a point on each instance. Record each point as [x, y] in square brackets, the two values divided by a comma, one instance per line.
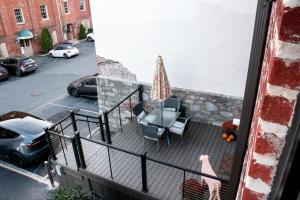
[17, 58]
[25, 126]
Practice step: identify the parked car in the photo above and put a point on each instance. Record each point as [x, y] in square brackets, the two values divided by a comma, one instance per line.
[3, 74]
[90, 37]
[19, 65]
[86, 86]
[22, 137]
[65, 50]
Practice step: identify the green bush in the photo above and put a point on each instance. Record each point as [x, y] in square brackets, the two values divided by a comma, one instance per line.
[81, 34]
[46, 41]
[76, 192]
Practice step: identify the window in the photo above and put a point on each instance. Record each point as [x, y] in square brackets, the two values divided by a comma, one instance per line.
[91, 82]
[7, 134]
[82, 5]
[44, 12]
[66, 7]
[24, 43]
[19, 16]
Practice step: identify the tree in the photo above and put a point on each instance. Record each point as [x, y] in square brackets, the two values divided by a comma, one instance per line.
[81, 34]
[46, 41]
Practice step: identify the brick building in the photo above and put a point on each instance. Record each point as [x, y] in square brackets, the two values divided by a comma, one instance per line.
[21, 23]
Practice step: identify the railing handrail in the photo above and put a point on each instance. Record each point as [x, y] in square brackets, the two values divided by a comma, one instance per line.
[124, 99]
[157, 161]
[60, 135]
[82, 115]
[60, 121]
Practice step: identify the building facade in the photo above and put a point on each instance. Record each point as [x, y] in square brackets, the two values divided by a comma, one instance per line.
[21, 23]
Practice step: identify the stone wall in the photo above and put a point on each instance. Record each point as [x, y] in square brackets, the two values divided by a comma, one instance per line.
[201, 106]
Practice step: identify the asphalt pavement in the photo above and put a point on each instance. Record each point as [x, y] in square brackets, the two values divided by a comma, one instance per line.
[18, 186]
[44, 92]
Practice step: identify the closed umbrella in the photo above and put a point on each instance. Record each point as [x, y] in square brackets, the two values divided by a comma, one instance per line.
[161, 89]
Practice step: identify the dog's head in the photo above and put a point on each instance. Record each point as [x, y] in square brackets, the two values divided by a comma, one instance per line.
[202, 157]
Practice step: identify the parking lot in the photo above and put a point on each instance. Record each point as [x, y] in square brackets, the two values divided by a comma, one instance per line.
[44, 92]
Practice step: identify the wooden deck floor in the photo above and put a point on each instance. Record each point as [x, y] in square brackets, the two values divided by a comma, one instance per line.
[163, 182]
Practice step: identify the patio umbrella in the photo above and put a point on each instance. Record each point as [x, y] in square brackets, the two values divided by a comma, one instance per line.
[161, 89]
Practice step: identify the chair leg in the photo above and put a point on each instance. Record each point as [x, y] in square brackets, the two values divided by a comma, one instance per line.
[182, 139]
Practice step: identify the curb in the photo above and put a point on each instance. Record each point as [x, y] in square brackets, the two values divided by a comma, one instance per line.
[29, 174]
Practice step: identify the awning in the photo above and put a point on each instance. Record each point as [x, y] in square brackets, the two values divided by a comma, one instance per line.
[24, 34]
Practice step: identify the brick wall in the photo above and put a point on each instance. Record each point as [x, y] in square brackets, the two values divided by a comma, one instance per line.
[33, 21]
[278, 90]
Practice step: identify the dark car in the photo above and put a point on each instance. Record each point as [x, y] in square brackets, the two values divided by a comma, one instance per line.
[3, 74]
[19, 65]
[22, 137]
[86, 86]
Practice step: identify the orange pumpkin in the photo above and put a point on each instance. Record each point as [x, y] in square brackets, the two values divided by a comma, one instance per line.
[224, 135]
[228, 140]
[231, 137]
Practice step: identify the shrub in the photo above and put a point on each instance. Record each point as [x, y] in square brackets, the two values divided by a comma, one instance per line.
[81, 34]
[46, 41]
[76, 192]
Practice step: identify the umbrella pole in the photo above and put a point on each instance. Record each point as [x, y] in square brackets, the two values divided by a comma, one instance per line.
[162, 113]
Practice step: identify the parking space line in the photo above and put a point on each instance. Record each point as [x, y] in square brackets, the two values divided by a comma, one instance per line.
[73, 108]
[57, 98]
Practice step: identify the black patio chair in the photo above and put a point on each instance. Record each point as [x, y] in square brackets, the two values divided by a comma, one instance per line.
[172, 104]
[180, 126]
[139, 112]
[153, 133]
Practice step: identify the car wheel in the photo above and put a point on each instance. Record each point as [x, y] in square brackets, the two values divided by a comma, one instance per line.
[89, 39]
[18, 73]
[51, 55]
[74, 92]
[66, 56]
[17, 159]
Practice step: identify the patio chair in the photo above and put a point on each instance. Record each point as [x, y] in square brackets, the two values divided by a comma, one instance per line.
[172, 104]
[180, 126]
[153, 133]
[139, 112]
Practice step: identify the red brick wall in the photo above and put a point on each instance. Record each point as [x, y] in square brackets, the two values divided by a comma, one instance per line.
[35, 23]
[278, 90]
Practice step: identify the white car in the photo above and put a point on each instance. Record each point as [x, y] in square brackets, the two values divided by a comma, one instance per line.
[66, 50]
[90, 37]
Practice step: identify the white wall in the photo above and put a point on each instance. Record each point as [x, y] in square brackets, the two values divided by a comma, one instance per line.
[205, 44]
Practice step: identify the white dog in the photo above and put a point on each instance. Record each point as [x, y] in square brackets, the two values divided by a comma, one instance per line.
[213, 185]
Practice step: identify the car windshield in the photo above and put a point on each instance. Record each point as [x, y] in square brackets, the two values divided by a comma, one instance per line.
[27, 60]
[69, 47]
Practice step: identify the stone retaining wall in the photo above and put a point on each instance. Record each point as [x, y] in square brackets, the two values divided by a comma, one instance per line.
[201, 106]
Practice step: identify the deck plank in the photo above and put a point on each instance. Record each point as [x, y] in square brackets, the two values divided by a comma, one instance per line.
[164, 182]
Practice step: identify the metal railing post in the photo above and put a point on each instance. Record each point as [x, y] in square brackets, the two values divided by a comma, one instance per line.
[80, 150]
[73, 120]
[144, 172]
[101, 128]
[49, 174]
[75, 150]
[183, 185]
[140, 93]
[106, 124]
[52, 152]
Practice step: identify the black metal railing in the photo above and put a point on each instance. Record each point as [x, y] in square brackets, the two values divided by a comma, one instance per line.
[117, 108]
[138, 171]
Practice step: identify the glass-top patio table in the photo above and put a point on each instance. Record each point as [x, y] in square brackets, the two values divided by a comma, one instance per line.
[161, 117]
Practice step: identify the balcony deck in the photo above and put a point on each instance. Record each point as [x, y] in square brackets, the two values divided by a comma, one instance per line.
[163, 182]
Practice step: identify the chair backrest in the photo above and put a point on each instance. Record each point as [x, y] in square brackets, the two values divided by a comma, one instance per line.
[187, 123]
[172, 103]
[149, 131]
[138, 109]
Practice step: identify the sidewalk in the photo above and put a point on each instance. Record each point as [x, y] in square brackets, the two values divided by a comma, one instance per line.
[18, 184]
